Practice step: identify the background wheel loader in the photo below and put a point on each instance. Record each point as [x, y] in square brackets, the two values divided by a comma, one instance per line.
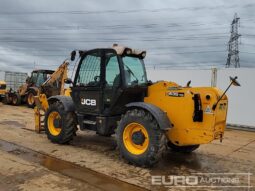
[26, 92]
[46, 82]
[110, 94]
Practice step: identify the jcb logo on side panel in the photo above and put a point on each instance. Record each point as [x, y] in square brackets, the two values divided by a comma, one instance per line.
[90, 102]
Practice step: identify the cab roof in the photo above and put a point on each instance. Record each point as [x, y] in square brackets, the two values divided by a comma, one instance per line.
[44, 71]
[121, 50]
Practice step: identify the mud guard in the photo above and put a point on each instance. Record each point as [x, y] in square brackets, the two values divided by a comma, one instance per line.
[160, 116]
[65, 100]
[35, 89]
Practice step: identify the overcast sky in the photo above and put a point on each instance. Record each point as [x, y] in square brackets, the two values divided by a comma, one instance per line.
[176, 34]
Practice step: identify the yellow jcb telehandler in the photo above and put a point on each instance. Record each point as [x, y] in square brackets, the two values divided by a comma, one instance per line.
[110, 94]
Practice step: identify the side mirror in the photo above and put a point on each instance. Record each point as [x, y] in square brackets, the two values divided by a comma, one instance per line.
[188, 84]
[68, 81]
[234, 81]
[73, 54]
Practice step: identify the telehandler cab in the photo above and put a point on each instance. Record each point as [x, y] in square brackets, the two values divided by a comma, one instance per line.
[110, 94]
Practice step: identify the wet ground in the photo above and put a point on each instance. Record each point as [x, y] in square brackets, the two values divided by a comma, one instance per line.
[91, 162]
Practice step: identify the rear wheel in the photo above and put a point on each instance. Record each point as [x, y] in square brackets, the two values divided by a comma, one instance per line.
[30, 99]
[60, 125]
[182, 149]
[16, 99]
[6, 100]
[140, 140]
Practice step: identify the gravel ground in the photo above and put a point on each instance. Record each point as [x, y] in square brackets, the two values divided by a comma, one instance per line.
[234, 155]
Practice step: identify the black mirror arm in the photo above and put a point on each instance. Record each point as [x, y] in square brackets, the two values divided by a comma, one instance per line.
[68, 81]
[73, 54]
[215, 105]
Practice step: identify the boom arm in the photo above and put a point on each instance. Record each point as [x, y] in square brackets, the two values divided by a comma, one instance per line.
[41, 100]
[59, 75]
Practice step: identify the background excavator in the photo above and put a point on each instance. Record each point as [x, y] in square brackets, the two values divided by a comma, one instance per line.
[110, 94]
[48, 82]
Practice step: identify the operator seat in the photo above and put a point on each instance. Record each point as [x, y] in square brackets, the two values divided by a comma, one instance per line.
[117, 79]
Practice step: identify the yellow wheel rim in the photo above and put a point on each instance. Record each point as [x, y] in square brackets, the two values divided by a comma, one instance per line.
[51, 118]
[130, 129]
[30, 99]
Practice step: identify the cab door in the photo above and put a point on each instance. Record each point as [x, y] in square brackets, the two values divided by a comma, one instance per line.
[87, 92]
[113, 83]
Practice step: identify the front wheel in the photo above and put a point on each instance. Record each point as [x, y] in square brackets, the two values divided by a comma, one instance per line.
[30, 99]
[60, 125]
[182, 149]
[139, 138]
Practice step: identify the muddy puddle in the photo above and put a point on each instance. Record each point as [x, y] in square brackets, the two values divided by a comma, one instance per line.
[67, 168]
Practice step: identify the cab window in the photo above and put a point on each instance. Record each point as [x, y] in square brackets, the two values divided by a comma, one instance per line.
[112, 71]
[89, 72]
[134, 71]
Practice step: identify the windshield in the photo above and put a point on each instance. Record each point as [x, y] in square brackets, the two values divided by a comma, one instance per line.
[33, 77]
[134, 71]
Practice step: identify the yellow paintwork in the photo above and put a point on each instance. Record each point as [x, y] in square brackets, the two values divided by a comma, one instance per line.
[67, 92]
[133, 148]
[2, 91]
[50, 122]
[41, 101]
[38, 121]
[180, 112]
[30, 99]
[41, 107]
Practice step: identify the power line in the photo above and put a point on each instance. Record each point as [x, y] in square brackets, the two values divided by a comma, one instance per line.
[194, 52]
[165, 53]
[113, 11]
[248, 52]
[45, 40]
[78, 28]
[148, 48]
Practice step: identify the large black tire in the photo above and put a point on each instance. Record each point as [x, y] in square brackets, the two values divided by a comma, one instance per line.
[6, 100]
[67, 124]
[16, 99]
[156, 138]
[182, 149]
[30, 98]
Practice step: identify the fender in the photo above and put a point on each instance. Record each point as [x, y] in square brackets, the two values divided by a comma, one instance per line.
[161, 116]
[65, 100]
[35, 89]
